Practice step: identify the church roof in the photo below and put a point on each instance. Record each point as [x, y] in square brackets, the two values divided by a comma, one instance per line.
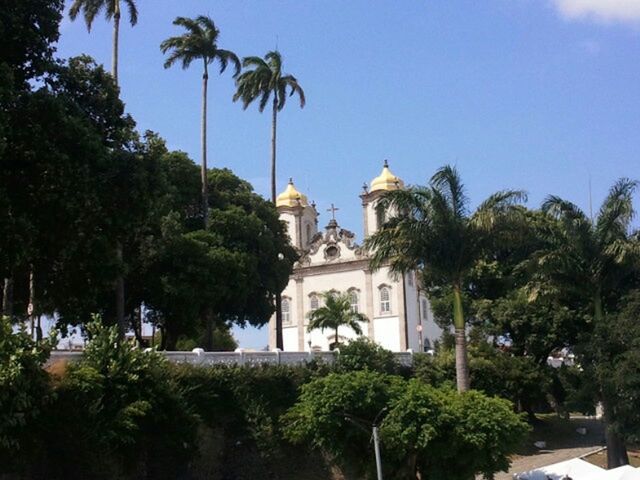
[291, 197]
[386, 180]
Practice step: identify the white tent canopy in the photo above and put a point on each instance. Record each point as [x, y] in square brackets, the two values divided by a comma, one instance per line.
[577, 469]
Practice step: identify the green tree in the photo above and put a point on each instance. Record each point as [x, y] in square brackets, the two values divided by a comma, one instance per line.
[336, 312]
[427, 431]
[591, 261]
[327, 408]
[438, 433]
[431, 230]
[200, 42]
[238, 255]
[28, 31]
[112, 9]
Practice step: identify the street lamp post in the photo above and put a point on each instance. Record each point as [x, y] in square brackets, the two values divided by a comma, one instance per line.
[358, 422]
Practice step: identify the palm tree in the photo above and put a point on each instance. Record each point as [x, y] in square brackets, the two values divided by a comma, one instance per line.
[590, 260]
[264, 79]
[200, 42]
[91, 8]
[431, 230]
[336, 312]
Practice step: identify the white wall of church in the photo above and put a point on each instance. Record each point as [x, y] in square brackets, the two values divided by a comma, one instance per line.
[387, 332]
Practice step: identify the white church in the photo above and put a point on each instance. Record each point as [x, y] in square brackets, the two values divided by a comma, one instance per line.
[399, 312]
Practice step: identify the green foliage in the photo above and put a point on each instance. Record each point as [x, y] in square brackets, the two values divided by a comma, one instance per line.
[436, 432]
[328, 407]
[494, 372]
[245, 402]
[200, 42]
[263, 78]
[450, 436]
[117, 410]
[24, 393]
[363, 354]
[610, 359]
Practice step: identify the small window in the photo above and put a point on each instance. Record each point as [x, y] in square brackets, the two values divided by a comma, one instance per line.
[308, 232]
[353, 300]
[313, 302]
[424, 309]
[385, 300]
[285, 307]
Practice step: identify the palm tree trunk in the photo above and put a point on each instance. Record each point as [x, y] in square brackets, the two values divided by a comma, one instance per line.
[274, 119]
[7, 297]
[203, 142]
[616, 447]
[462, 364]
[116, 35]
[617, 455]
[336, 340]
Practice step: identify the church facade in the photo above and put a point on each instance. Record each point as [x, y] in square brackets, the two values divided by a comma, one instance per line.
[399, 312]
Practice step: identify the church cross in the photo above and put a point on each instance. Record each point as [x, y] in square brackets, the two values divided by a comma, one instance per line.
[333, 211]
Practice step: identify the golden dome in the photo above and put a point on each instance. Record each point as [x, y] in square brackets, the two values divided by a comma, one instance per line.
[386, 180]
[291, 197]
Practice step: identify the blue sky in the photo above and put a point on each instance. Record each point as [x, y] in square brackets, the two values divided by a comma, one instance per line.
[541, 95]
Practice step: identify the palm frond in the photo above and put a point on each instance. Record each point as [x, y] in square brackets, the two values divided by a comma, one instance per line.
[617, 210]
[499, 207]
[295, 88]
[226, 56]
[89, 8]
[562, 209]
[448, 182]
[133, 11]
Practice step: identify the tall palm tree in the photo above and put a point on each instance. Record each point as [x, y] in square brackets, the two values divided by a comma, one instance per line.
[431, 230]
[200, 42]
[336, 312]
[590, 260]
[264, 79]
[91, 8]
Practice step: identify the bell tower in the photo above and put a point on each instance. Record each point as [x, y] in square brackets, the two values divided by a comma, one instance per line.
[300, 217]
[374, 216]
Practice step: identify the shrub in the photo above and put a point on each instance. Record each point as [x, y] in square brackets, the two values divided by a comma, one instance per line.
[24, 393]
[363, 354]
[118, 414]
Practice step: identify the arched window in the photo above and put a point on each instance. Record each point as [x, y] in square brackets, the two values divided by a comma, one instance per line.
[385, 300]
[285, 307]
[353, 300]
[314, 303]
